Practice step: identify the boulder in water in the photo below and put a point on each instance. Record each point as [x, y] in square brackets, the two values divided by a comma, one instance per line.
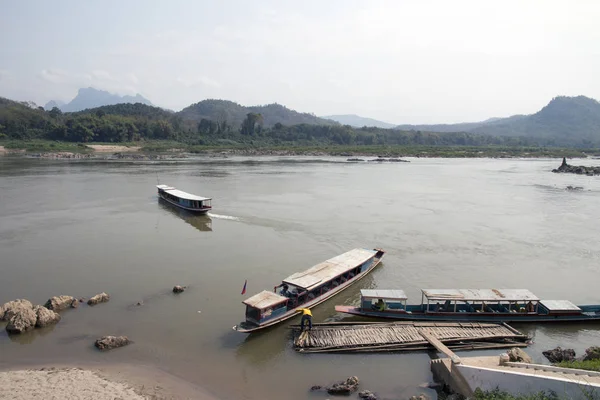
[517, 355]
[99, 298]
[59, 303]
[346, 387]
[111, 342]
[367, 395]
[8, 310]
[22, 320]
[592, 353]
[178, 289]
[557, 355]
[45, 317]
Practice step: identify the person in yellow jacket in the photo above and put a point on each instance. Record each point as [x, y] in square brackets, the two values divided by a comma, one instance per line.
[306, 317]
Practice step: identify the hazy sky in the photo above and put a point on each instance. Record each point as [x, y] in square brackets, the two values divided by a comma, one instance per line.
[399, 61]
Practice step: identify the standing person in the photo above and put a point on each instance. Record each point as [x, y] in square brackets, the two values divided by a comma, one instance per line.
[306, 317]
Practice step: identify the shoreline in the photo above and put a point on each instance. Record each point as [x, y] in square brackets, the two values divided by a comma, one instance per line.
[96, 381]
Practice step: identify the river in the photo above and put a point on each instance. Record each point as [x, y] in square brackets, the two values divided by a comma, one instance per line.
[83, 227]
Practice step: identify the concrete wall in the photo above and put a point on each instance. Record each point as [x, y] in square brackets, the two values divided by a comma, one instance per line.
[519, 383]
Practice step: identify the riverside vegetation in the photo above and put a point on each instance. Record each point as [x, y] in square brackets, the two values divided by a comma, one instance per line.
[216, 125]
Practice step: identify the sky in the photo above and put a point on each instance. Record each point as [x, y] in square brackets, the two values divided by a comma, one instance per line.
[422, 61]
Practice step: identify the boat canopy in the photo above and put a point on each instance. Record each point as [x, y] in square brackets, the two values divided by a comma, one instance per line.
[329, 269]
[559, 305]
[264, 299]
[479, 295]
[383, 294]
[180, 194]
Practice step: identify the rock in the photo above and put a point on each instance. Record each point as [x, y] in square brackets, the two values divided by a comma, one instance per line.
[454, 396]
[81, 299]
[557, 355]
[355, 159]
[10, 309]
[178, 289]
[22, 320]
[316, 387]
[517, 355]
[59, 303]
[99, 298]
[139, 303]
[592, 353]
[422, 396]
[366, 394]
[45, 317]
[580, 170]
[111, 342]
[574, 188]
[346, 387]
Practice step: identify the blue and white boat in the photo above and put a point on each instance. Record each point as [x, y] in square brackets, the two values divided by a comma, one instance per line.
[476, 305]
[187, 201]
[308, 288]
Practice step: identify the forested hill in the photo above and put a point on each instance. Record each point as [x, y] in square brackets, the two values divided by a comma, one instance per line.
[234, 114]
[565, 121]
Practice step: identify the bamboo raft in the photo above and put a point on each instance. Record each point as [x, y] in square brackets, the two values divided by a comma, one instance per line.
[405, 336]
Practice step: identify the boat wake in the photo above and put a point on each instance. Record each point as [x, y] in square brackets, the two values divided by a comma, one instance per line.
[228, 217]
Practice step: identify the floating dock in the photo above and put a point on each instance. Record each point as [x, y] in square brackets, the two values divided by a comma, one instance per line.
[406, 336]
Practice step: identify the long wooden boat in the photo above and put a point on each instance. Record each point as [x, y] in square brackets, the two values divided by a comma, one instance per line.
[480, 305]
[187, 201]
[308, 288]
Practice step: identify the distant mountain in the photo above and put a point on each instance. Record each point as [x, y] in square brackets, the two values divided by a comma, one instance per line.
[92, 98]
[564, 121]
[358, 121]
[234, 114]
[53, 103]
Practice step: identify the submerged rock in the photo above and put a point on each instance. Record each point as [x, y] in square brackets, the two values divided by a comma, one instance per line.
[346, 387]
[45, 317]
[59, 303]
[10, 309]
[111, 342]
[367, 395]
[517, 355]
[99, 298]
[592, 353]
[178, 289]
[355, 159]
[574, 188]
[557, 355]
[22, 320]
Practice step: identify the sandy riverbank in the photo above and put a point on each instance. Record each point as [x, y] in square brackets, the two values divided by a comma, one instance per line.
[126, 382]
[103, 148]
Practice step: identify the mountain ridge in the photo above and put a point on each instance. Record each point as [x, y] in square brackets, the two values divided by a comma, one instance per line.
[89, 97]
[358, 121]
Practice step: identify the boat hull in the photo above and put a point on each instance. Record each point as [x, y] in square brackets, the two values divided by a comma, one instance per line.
[475, 317]
[190, 209]
[243, 328]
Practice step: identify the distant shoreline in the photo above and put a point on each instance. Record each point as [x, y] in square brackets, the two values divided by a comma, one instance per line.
[102, 381]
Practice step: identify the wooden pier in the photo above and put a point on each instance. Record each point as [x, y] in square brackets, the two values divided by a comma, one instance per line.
[406, 336]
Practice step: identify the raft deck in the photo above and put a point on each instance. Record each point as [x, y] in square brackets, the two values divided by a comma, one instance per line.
[405, 336]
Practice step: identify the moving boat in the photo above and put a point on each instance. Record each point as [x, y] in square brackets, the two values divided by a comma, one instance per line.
[476, 305]
[184, 200]
[308, 288]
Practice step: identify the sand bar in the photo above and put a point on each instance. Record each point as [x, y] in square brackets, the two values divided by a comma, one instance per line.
[104, 148]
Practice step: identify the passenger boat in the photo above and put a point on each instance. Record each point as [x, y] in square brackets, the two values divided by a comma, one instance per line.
[307, 289]
[184, 200]
[477, 305]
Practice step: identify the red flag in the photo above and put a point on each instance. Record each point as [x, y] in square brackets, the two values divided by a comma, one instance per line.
[244, 289]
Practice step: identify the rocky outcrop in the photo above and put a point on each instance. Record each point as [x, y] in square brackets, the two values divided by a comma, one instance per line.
[355, 159]
[422, 396]
[381, 159]
[10, 309]
[178, 289]
[592, 353]
[22, 320]
[579, 170]
[517, 355]
[45, 317]
[557, 355]
[99, 298]
[111, 342]
[346, 387]
[59, 303]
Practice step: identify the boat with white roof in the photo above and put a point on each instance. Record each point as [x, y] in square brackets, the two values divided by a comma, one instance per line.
[470, 305]
[308, 288]
[187, 201]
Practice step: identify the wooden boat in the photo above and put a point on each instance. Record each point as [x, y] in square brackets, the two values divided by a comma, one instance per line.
[187, 201]
[481, 305]
[307, 289]
[334, 337]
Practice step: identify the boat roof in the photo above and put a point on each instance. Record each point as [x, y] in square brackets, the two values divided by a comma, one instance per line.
[559, 305]
[480, 294]
[264, 300]
[384, 294]
[181, 194]
[329, 269]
